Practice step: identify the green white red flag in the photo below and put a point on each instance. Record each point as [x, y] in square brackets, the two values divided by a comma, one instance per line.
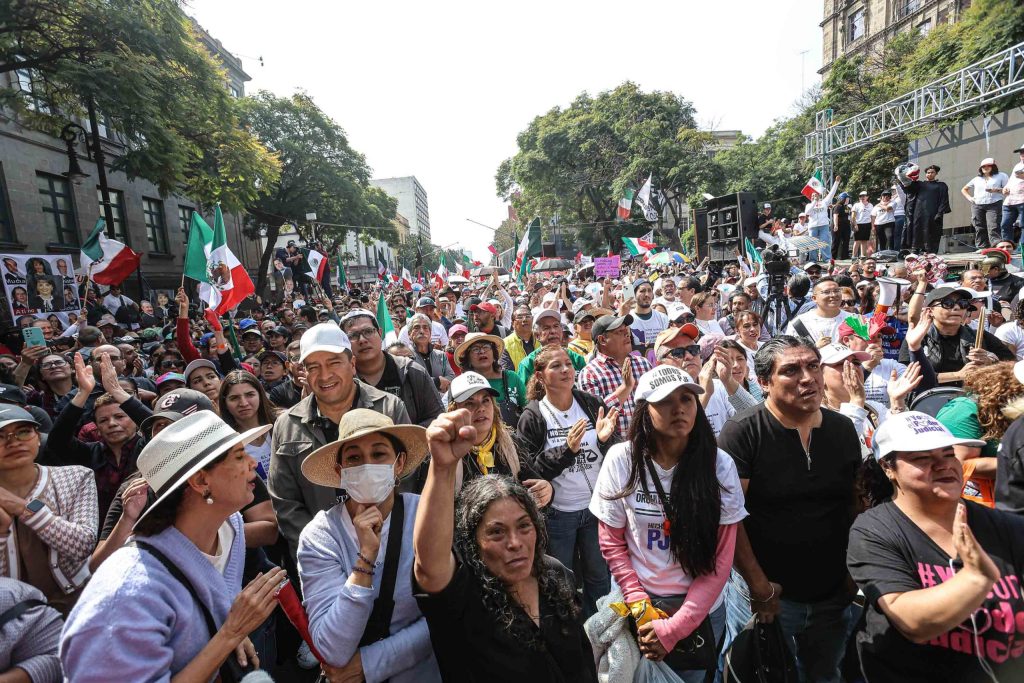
[107, 261]
[814, 185]
[223, 282]
[387, 328]
[638, 246]
[626, 205]
[317, 262]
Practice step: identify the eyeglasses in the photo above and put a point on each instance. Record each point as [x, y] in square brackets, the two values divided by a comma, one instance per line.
[367, 333]
[23, 434]
[167, 363]
[681, 351]
[849, 302]
[50, 365]
[949, 304]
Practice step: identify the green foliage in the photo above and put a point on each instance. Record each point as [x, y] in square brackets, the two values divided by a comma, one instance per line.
[320, 173]
[142, 63]
[577, 162]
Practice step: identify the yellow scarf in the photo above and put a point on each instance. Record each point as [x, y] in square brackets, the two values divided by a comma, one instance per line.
[485, 453]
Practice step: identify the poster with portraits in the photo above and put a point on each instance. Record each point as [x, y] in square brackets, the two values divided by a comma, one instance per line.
[40, 286]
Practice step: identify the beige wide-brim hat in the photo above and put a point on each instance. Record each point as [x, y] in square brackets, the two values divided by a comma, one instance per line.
[355, 424]
[186, 446]
[474, 337]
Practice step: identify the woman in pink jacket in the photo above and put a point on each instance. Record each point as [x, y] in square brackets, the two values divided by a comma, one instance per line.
[668, 502]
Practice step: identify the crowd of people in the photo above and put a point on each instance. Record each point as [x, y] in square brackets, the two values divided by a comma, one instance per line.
[546, 480]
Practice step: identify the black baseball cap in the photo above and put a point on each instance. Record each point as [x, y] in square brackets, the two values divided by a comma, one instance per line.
[609, 323]
[175, 405]
[12, 394]
[940, 293]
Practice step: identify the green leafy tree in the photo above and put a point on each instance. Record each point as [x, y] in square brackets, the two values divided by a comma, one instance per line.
[320, 173]
[142, 65]
[577, 162]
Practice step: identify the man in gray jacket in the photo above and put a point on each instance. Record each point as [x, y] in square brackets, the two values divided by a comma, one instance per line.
[326, 354]
[399, 376]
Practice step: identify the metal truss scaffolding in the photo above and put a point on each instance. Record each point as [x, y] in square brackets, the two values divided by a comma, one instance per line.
[988, 79]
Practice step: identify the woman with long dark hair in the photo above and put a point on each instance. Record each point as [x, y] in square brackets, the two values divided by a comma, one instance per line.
[668, 503]
[244, 405]
[939, 573]
[498, 607]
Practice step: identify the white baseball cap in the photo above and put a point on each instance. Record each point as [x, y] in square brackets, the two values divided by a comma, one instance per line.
[323, 337]
[914, 431]
[987, 161]
[546, 313]
[655, 385]
[837, 353]
[467, 384]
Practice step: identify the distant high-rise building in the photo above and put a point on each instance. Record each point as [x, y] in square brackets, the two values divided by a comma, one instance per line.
[412, 203]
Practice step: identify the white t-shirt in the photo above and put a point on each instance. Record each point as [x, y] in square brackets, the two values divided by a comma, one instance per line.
[574, 487]
[979, 188]
[709, 327]
[719, 410]
[877, 383]
[861, 212]
[646, 331]
[1013, 334]
[817, 326]
[225, 537]
[261, 454]
[641, 514]
[883, 216]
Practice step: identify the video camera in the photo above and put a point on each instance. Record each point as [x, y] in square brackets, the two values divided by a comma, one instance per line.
[776, 265]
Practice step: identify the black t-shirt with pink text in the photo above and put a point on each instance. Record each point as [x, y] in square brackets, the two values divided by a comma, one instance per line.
[889, 553]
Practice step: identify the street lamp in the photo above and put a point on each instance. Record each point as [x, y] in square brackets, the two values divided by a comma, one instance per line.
[70, 134]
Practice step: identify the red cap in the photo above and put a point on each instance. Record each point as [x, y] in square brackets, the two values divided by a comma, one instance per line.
[485, 306]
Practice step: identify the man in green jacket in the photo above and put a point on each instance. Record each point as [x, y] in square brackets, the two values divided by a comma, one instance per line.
[547, 329]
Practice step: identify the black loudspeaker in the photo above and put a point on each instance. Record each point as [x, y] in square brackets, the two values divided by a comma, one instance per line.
[700, 233]
[547, 250]
[731, 217]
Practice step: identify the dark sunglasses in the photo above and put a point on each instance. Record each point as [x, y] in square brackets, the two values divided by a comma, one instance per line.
[849, 302]
[681, 351]
[172, 364]
[949, 304]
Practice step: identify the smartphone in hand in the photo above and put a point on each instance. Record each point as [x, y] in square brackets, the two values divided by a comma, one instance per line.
[33, 336]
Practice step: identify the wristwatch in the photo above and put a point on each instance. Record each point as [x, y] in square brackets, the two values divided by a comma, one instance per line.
[34, 506]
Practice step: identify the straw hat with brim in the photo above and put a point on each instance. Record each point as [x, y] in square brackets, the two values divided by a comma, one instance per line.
[185, 447]
[355, 424]
[473, 338]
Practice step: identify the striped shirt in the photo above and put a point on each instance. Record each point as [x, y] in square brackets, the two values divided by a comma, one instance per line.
[602, 376]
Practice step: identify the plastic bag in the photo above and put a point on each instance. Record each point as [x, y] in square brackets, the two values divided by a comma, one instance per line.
[651, 671]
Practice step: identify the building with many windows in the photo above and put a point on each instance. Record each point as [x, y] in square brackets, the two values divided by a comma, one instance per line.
[412, 203]
[853, 27]
[43, 210]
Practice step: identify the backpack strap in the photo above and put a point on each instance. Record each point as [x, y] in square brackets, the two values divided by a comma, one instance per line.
[20, 608]
[378, 626]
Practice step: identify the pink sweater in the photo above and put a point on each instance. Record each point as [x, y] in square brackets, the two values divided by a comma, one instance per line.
[701, 596]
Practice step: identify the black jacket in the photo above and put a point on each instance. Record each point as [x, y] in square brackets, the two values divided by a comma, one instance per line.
[933, 348]
[418, 392]
[533, 430]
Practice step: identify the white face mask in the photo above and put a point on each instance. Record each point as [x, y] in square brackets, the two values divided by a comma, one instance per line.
[368, 484]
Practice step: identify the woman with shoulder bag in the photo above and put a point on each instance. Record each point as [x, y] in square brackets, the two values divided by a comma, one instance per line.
[567, 433]
[172, 602]
[355, 559]
[668, 504]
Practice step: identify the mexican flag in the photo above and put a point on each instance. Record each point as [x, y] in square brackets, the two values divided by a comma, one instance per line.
[626, 205]
[342, 280]
[387, 329]
[317, 263]
[752, 253]
[467, 263]
[813, 185]
[223, 282]
[107, 261]
[442, 270]
[406, 280]
[638, 246]
[529, 246]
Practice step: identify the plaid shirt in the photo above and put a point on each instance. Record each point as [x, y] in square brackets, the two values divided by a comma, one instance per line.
[602, 376]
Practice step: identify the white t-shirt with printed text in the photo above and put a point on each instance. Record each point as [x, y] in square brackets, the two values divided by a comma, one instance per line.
[640, 513]
[573, 488]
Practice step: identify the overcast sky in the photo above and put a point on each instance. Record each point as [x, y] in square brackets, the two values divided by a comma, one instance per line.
[439, 90]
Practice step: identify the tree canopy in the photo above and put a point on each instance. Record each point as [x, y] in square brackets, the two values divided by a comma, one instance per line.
[320, 173]
[577, 162]
[142, 64]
